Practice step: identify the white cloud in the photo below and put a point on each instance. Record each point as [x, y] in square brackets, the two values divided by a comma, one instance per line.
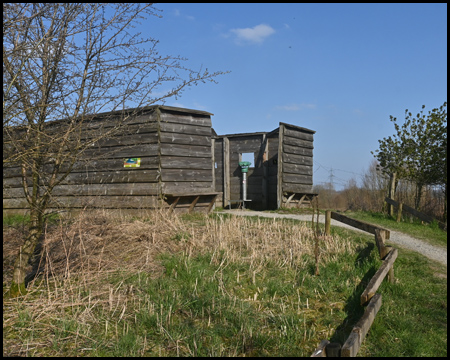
[256, 34]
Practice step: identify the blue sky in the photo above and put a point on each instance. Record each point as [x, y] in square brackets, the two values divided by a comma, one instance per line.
[338, 69]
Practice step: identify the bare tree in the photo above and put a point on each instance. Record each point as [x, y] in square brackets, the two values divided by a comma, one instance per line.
[69, 61]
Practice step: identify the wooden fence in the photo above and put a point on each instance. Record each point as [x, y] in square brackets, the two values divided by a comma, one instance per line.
[402, 207]
[369, 297]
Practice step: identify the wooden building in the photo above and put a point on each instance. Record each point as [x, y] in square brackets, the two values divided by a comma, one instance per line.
[171, 157]
[281, 174]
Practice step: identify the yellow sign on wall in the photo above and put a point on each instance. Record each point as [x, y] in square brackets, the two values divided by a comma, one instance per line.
[132, 162]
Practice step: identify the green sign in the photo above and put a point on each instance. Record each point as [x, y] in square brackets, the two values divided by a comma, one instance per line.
[132, 162]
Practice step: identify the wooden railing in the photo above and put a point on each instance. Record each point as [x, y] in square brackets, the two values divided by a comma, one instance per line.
[424, 217]
[369, 297]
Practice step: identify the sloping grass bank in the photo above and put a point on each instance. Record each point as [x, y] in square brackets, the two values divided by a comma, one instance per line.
[430, 233]
[213, 286]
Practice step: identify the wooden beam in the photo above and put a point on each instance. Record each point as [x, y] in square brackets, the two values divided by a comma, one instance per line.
[193, 193]
[301, 200]
[211, 204]
[359, 332]
[280, 167]
[289, 199]
[265, 167]
[174, 204]
[213, 163]
[226, 171]
[358, 224]
[376, 280]
[191, 207]
[416, 213]
[380, 237]
[333, 350]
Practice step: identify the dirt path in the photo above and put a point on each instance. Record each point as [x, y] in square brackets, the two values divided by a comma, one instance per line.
[432, 252]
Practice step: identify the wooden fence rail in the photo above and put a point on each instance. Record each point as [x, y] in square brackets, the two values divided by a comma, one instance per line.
[360, 330]
[369, 296]
[402, 207]
[361, 225]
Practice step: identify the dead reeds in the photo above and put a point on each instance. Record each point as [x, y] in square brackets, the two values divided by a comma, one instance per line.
[81, 253]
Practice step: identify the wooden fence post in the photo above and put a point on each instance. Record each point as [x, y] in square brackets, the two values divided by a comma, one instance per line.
[390, 276]
[327, 222]
[320, 351]
[391, 193]
[380, 236]
[333, 350]
[399, 212]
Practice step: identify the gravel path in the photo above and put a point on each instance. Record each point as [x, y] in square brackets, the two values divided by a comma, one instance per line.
[432, 252]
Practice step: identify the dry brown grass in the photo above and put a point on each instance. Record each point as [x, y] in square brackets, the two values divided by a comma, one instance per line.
[94, 243]
[79, 253]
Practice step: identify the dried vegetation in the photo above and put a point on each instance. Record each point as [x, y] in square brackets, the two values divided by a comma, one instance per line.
[71, 293]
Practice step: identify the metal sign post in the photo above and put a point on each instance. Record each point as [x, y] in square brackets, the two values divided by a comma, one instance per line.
[244, 168]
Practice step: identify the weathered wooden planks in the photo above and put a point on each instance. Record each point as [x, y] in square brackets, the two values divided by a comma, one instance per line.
[185, 129]
[359, 332]
[379, 276]
[297, 179]
[179, 151]
[362, 225]
[296, 149]
[180, 117]
[194, 150]
[174, 146]
[296, 160]
[186, 152]
[99, 202]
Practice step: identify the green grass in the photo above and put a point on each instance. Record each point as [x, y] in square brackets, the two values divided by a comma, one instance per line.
[412, 320]
[15, 220]
[236, 299]
[18, 220]
[430, 233]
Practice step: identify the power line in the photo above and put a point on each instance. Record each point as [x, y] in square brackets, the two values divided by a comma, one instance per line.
[334, 169]
[331, 176]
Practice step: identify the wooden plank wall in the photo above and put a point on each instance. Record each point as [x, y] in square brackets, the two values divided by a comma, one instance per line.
[186, 154]
[297, 160]
[99, 178]
[175, 150]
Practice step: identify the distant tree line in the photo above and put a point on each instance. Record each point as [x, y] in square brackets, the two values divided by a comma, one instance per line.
[368, 194]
